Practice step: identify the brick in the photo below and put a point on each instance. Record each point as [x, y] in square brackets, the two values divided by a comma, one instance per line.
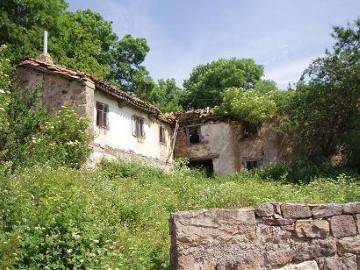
[322, 211]
[349, 245]
[312, 228]
[342, 226]
[296, 211]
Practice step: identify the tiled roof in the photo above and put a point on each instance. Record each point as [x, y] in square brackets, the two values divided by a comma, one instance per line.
[99, 84]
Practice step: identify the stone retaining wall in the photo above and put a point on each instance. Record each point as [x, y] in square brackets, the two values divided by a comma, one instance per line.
[272, 236]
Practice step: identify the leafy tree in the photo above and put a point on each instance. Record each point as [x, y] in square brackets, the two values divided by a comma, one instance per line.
[247, 105]
[324, 111]
[207, 82]
[83, 40]
[23, 22]
[167, 95]
[128, 54]
[80, 40]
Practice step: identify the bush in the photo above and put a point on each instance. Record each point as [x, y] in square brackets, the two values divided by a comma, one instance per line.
[302, 171]
[34, 136]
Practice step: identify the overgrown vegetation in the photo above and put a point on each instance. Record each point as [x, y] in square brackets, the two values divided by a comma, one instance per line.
[117, 216]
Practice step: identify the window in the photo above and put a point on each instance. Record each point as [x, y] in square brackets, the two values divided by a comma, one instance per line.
[252, 164]
[193, 134]
[162, 134]
[138, 127]
[102, 118]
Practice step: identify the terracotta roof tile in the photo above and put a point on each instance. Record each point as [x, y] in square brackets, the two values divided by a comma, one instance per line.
[100, 84]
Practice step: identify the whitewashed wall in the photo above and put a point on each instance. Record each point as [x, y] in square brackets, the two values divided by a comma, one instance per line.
[119, 134]
[220, 142]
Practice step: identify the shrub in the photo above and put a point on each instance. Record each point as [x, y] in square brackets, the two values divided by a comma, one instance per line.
[34, 136]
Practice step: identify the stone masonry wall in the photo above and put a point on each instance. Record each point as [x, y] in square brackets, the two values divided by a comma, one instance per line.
[272, 236]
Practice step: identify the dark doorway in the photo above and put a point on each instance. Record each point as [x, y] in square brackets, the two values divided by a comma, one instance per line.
[205, 164]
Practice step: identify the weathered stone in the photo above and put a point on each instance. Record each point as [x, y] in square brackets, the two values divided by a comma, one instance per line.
[295, 211]
[347, 262]
[357, 217]
[312, 228]
[304, 251]
[278, 254]
[265, 210]
[214, 225]
[309, 265]
[342, 226]
[251, 260]
[186, 263]
[322, 211]
[277, 209]
[273, 234]
[278, 222]
[352, 208]
[349, 245]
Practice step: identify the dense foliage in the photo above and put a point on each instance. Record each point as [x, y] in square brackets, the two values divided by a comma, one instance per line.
[207, 82]
[117, 217]
[33, 136]
[78, 39]
[324, 114]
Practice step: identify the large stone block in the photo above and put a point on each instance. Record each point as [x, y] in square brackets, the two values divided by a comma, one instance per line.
[349, 245]
[216, 225]
[265, 210]
[352, 208]
[347, 262]
[272, 234]
[278, 255]
[310, 250]
[296, 211]
[342, 226]
[326, 210]
[312, 228]
[309, 265]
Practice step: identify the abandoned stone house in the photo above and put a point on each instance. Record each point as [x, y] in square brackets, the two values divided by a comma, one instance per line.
[129, 128]
[123, 126]
[223, 145]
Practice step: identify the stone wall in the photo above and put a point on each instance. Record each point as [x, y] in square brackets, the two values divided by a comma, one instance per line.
[272, 236]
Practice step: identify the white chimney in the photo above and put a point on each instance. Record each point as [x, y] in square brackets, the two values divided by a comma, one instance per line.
[45, 51]
[45, 56]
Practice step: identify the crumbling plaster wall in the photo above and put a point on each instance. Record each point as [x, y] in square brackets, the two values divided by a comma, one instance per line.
[224, 142]
[119, 134]
[272, 236]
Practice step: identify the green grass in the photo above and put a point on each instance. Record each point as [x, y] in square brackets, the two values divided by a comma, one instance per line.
[117, 216]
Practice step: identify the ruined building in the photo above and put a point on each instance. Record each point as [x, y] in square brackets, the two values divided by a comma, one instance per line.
[127, 127]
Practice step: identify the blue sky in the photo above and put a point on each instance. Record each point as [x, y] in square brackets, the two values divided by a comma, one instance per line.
[282, 35]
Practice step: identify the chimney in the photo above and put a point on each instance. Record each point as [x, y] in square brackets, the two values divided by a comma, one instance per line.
[45, 56]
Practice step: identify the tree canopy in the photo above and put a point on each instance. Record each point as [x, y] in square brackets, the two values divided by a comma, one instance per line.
[324, 111]
[77, 39]
[207, 82]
